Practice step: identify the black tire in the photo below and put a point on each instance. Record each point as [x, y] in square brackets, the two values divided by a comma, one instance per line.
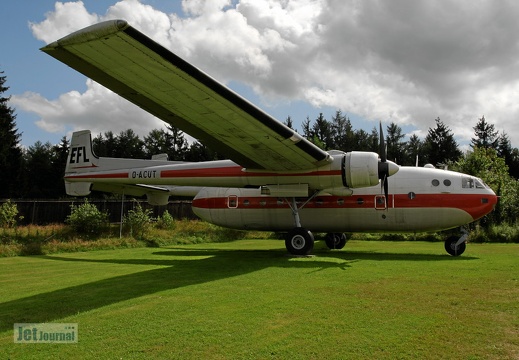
[299, 241]
[335, 240]
[450, 246]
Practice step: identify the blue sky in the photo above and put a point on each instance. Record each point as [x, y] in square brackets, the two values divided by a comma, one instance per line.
[28, 69]
[408, 62]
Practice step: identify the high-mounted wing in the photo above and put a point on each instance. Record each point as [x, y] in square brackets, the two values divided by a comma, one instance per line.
[132, 65]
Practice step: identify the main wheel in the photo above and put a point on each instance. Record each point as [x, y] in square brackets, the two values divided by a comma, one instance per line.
[452, 249]
[299, 241]
[335, 240]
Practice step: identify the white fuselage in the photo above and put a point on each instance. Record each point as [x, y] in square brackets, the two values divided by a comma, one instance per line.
[420, 199]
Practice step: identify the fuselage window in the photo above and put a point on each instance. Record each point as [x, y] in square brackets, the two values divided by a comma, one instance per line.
[340, 202]
[411, 195]
[447, 182]
[360, 201]
[280, 202]
[319, 202]
[263, 202]
[246, 202]
[436, 182]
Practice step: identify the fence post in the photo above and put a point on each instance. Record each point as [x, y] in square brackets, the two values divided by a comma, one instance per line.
[121, 225]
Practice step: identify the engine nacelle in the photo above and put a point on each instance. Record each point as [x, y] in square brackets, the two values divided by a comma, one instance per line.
[360, 169]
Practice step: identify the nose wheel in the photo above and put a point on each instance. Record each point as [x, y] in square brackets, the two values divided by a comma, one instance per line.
[335, 240]
[455, 245]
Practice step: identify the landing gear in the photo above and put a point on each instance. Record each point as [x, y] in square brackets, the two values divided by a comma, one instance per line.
[335, 240]
[455, 245]
[299, 241]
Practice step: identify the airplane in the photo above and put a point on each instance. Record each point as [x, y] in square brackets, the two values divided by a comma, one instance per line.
[274, 180]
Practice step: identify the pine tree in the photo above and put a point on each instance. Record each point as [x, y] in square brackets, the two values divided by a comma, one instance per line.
[129, 145]
[440, 147]
[322, 133]
[10, 151]
[413, 150]
[105, 146]
[395, 145]
[156, 142]
[342, 132]
[307, 131]
[511, 155]
[41, 176]
[289, 123]
[486, 135]
[179, 146]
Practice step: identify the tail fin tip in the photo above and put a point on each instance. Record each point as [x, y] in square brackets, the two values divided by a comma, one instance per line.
[81, 157]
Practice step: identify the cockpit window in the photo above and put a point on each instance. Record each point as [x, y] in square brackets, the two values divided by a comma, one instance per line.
[472, 182]
[467, 183]
[479, 184]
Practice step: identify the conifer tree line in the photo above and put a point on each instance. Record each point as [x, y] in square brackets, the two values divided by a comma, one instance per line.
[439, 147]
[37, 172]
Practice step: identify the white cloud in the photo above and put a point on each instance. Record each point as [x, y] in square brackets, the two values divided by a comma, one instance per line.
[97, 109]
[402, 61]
[66, 18]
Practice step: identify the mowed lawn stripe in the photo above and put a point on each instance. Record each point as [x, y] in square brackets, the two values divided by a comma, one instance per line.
[248, 299]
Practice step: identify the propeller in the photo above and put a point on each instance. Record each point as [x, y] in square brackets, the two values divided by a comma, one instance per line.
[385, 168]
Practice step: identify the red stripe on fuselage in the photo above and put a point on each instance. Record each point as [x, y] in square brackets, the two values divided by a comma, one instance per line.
[98, 176]
[473, 204]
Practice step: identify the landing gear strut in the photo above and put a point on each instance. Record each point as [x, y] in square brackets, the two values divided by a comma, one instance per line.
[455, 245]
[299, 241]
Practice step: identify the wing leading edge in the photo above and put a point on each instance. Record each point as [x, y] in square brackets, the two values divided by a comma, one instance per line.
[137, 68]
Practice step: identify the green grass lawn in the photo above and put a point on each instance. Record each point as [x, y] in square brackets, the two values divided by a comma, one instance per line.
[249, 300]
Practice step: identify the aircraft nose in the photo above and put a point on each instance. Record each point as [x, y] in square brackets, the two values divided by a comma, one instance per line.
[493, 199]
[488, 204]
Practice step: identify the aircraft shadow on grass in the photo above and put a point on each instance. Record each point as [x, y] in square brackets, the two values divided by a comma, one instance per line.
[189, 267]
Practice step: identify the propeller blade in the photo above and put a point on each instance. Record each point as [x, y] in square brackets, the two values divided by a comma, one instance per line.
[382, 148]
[384, 167]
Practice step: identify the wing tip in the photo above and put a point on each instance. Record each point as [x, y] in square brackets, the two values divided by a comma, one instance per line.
[92, 32]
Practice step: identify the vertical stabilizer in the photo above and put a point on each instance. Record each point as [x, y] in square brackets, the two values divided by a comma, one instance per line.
[81, 157]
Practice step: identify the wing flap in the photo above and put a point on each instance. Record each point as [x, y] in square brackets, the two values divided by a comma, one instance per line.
[147, 74]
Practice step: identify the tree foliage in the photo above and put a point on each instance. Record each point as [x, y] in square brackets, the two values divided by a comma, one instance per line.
[486, 164]
[11, 161]
[486, 136]
[395, 145]
[9, 214]
[440, 146]
[87, 219]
